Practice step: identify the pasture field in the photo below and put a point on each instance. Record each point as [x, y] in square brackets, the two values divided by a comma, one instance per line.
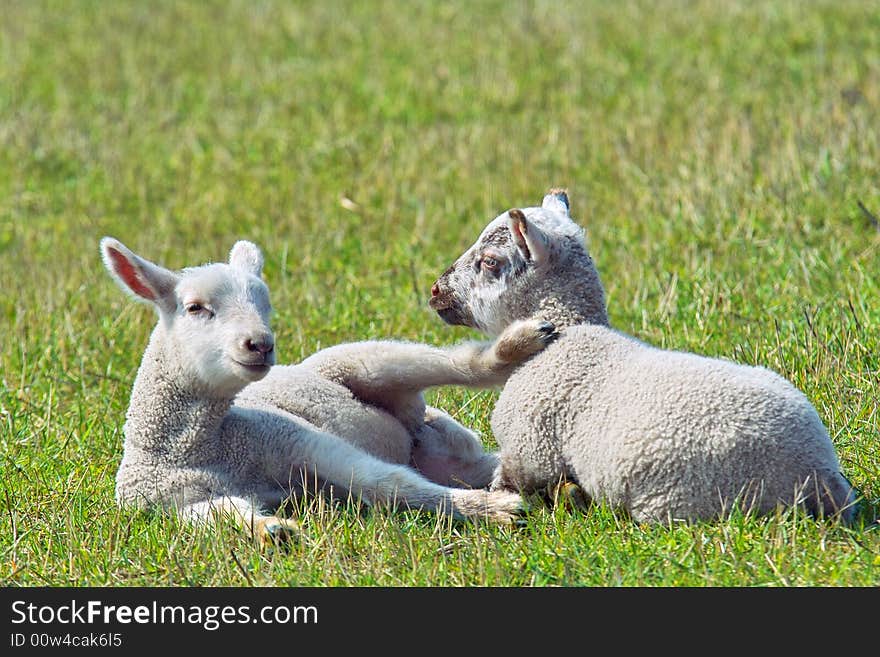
[724, 158]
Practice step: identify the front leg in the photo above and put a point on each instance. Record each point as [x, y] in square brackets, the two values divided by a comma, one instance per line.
[568, 495]
[555, 492]
[500, 480]
[525, 471]
[290, 449]
[392, 375]
[520, 341]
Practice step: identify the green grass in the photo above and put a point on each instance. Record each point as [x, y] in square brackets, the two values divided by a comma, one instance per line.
[717, 153]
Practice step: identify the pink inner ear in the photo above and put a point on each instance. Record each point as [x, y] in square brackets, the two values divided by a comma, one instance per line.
[519, 229]
[126, 271]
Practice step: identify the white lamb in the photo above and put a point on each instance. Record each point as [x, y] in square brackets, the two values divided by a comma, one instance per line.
[214, 429]
[664, 435]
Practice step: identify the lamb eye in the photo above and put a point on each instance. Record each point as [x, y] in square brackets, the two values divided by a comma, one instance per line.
[490, 263]
[197, 309]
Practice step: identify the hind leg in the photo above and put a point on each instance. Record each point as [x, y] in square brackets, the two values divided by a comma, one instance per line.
[450, 454]
[830, 495]
[337, 463]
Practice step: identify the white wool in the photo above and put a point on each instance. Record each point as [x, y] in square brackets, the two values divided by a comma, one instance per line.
[214, 427]
[664, 435]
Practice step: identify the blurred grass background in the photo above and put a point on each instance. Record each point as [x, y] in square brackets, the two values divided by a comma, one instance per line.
[723, 157]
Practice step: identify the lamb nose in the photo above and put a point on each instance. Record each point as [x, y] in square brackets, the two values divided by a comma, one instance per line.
[435, 290]
[263, 346]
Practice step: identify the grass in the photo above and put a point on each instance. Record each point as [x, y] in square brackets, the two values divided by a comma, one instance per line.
[724, 157]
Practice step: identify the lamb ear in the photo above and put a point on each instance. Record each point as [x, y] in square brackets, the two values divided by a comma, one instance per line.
[247, 255]
[557, 200]
[139, 277]
[531, 242]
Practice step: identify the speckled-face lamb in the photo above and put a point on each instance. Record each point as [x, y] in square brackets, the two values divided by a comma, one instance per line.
[664, 435]
[214, 427]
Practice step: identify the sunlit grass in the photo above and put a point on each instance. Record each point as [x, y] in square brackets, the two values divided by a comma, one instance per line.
[722, 156]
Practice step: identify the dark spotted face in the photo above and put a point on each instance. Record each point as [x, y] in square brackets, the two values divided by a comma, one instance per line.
[526, 263]
[476, 291]
[448, 306]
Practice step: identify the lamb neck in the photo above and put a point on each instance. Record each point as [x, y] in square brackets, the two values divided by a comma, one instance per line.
[580, 301]
[167, 418]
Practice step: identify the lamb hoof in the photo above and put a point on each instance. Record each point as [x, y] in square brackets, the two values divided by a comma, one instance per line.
[501, 507]
[277, 532]
[568, 495]
[525, 338]
[510, 508]
[548, 332]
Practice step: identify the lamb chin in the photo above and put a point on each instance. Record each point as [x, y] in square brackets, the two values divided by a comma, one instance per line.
[253, 372]
[453, 316]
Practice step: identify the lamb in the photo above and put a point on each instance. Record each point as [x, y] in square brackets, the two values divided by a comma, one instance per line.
[214, 428]
[663, 435]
